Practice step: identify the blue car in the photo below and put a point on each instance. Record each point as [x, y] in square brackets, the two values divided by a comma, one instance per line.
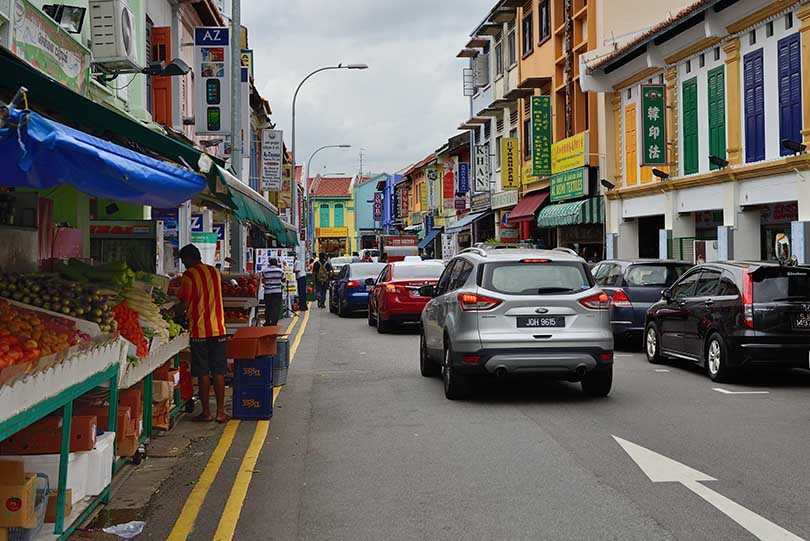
[349, 291]
[634, 285]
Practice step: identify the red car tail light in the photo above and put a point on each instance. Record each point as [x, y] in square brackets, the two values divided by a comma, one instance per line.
[351, 284]
[471, 359]
[621, 299]
[471, 302]
[600, 301]
[748, 300]
[606, 357]
[391, 288]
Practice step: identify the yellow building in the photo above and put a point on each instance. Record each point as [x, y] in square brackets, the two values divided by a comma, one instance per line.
[333, 215]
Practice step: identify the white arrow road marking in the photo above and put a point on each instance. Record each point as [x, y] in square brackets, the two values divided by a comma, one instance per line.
[660, 469]
[726, 391]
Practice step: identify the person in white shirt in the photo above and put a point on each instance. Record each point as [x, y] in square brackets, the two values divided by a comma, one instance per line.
[301, 284]
[273, 277]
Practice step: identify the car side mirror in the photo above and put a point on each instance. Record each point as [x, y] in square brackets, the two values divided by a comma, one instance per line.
[427, 291]
[370, 281]
[666, 294]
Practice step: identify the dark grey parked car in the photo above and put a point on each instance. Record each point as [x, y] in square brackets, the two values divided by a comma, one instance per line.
[634, 285]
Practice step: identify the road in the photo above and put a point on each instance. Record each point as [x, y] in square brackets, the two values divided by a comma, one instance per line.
[363, 447]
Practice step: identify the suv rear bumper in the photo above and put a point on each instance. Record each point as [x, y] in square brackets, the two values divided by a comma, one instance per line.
[565, 362]
[760, 354]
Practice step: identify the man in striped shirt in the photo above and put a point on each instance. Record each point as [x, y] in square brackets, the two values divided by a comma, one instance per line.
[273, 277]
[201, 291]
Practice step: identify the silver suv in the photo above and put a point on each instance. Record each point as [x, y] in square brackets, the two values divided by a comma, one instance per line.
[516, 311]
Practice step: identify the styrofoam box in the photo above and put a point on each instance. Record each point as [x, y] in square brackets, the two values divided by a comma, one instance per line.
[100, 463]
[49, 465]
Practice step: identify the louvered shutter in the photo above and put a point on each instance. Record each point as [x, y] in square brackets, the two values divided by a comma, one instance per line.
[754, 107]
[690, 127]
[790, 90]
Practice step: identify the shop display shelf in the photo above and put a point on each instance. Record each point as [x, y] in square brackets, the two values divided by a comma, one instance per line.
[81, 512]
[240, 302]
[133, 373]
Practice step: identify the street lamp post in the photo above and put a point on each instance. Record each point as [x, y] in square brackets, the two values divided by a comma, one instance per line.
[294, 202]
[310, 242]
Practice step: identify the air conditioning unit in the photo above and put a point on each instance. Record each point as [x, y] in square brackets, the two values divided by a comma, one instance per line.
[112, 32]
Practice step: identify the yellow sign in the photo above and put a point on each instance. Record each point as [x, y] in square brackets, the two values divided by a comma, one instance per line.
[247, 60]
[332, 232]
[526, 174]
[510, 163]
[423, 196]
[569, 153]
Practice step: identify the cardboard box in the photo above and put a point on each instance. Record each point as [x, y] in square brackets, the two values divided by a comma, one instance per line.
[162, 391]
[252, 342]
[133, 399]
[126, 446]
[18, 496]
[50, 513]
[3, 534]
[162, 372]
[160, 414]
[45, 436]
[123, 422]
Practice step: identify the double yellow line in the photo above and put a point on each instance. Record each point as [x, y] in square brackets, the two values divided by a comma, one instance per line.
[233, 507]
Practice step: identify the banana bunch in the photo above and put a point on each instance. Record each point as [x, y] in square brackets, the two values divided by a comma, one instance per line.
[141, 301]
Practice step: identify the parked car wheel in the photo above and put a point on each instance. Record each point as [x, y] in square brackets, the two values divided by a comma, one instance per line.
[428, 368]
[652, 344]
[341, 312]
[382, 325]
[371, 321]
[332, 308]
[598, 384]
[716, 359]
[456, 386]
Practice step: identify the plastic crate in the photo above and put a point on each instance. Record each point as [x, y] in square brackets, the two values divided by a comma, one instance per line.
[280, 377]
[49, 466]
[283, 351]
[254, 372]
[27, 534]
[252, 402]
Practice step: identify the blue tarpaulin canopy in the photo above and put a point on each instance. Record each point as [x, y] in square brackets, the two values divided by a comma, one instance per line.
[39, 153]
[429, 237]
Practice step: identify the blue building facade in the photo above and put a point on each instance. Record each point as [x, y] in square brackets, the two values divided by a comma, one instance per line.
[365, 225]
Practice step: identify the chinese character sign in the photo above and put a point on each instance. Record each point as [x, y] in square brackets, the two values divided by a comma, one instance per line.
[653, 121]
[463, 177]
[541, 136]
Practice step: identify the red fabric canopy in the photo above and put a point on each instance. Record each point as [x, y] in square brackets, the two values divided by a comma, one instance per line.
[526, 209]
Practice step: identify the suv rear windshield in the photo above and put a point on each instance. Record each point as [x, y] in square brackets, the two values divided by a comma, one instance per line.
[653, 275]
[417, 272]
[773, 284]
[552, 278]
[365, 270]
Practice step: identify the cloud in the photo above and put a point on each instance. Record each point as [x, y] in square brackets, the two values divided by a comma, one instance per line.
[405, 106]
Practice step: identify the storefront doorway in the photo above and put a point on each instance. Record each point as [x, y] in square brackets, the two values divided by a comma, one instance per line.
[776, 218]
[649, 228]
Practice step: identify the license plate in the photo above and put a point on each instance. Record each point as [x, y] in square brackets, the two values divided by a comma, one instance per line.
[534, 322]
[802, 321]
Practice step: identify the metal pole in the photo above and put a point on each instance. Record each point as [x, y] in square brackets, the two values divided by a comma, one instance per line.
[237, 236]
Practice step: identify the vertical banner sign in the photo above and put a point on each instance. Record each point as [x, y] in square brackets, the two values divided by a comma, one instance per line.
[482, 168]
[378, 206]
[510, 166]
[245, 112]
[449, 185]
[432, 176]
[404, 199]
[285, 195]
[395, 203]
[272, 154]
[247, 60]
[301, 227]
[423, 197]
[541, 136]
[463, 177]
[653, 123]
[212, 88]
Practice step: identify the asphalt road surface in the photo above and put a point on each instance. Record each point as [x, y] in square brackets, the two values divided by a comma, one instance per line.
[363, 447]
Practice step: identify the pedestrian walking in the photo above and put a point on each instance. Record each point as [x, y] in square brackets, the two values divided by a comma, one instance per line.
[201, 293]
[367, 257]
[273, 277]
[322, 270]
[301, 284]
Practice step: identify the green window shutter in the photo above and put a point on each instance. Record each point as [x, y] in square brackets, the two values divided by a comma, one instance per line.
[690, 127]
[339, 222]
[717, 113]
[324, 215]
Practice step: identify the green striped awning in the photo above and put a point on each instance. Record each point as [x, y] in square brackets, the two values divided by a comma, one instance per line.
[586, 211]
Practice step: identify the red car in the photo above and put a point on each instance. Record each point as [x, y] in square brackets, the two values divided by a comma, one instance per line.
[394, 296]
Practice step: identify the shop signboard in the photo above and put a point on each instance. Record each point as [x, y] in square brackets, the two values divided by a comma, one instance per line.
[481, 168]
[654, 135]
[219, 229]
[569, 184]
[285, 194]
[272, 156]
[432, 180]
[378, 206]
[461, 203]
[422, 189]
[212, 88]
[171, 221]
[196, 223]
[541, 136]
[395, 203]
[331, 232]
[479, 202]
[569, 153]
[207, 244]
[510, 163]
[505, 199]
[449, 187]
[302, 230]
[40, 41]
[247, 60]
[244, 89]
[404, 198]
[463, 177]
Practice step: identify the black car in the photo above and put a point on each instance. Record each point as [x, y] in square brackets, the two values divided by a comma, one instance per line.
[634, 285]
[728, 315]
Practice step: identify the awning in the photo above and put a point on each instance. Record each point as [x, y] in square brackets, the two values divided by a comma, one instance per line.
[526, 209]
[586, 211]
[466, 221]
[54, 100]
[43, 154]
[429, 238]
[417, 228]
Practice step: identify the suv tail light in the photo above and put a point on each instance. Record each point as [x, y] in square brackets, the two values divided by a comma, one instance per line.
[600, 301]
[621, 299]
[748, 300]
[471, 302]
[351, 284]
[535, 261]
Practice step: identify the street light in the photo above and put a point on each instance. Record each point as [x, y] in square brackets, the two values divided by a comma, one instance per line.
[294, 202]
[311, 241]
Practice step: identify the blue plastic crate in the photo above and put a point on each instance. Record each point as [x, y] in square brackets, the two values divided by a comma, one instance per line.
[252, 372]
[254, 402]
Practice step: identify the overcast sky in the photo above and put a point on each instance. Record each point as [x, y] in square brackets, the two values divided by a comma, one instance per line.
[406, 105]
